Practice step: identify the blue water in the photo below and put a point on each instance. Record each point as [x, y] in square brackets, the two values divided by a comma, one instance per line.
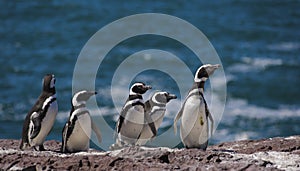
[258, 43]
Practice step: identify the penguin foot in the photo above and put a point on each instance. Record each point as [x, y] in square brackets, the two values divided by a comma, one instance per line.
[35, 149]
[200, 148]
[115, 147]
[41, 148]
[24, 146]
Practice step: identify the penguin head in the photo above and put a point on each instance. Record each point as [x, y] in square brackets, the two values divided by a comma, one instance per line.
[162, 97]
[81, 97]
[139, 88]
[49, 83]
[205, 71]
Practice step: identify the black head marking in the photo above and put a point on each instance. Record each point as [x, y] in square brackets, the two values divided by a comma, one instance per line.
[205, 71]
[139, 88]
[170, 96]
[202, 73]
[161, 97]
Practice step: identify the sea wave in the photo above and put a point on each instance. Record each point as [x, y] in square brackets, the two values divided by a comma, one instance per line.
[240, 107]
[234, 107]
[249, 64]
[262, 62]
[284, 46]
[225, 135]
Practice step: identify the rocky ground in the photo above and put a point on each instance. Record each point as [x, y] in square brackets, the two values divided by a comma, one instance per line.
[266, 154]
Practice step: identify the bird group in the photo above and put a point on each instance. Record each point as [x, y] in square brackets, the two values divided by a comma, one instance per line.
[138, 121]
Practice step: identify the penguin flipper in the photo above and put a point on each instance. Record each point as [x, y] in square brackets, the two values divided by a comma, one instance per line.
[36, 125]
[64, 138]
[97, 131]
[208, 114]
[177, 117]
[121, 120]
[212, 123]
[67, 131]
[147, 105]
[150, 123]
[119, 124]
[116, 130]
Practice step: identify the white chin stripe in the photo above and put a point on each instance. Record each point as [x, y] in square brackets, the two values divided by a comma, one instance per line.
[203, 79]
[154, 97]
[52, 84]
[157, 108]
[48, 100]
[131, 102]
[75, 102]
[132, 93]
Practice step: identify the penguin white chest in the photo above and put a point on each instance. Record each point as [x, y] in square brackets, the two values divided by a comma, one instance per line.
[80, 136]
[157, 116]
[194, 126]
[46, 125]
[49, 119]
[133, 124]
[135, 115]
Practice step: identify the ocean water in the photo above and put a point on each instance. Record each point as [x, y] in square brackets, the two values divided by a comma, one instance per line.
[258, 43]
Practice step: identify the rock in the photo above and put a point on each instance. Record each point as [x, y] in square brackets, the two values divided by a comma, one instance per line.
[267, 154]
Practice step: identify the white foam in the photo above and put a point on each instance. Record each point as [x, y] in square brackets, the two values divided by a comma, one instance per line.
[262, 62]
[223, 135]
[250, 64]
[240, 68]
[284, 46]
[244, 135]
[240, 107]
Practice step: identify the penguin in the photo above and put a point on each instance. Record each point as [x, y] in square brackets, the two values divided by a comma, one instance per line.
[194, 127]
[77, 130]
[131, 118]
[40, 119]
[155, 109]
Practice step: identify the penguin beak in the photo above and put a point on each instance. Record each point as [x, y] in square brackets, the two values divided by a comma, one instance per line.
[212, 69]
[216, 66]
[171, 96]
[88, 94]
[91, 93]
[147, 87]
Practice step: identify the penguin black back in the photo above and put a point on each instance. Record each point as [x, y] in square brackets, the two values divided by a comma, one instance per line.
[48, 90]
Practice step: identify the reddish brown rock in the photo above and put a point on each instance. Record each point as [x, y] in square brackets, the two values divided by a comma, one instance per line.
[266, 154]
